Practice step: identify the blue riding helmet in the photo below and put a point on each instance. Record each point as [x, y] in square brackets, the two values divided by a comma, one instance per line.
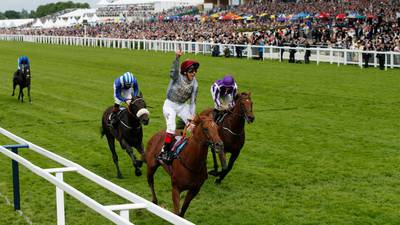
[128, 79]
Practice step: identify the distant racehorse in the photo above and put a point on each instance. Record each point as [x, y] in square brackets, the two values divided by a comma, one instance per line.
[231, 131]
[189, 170]
[128, 132]
[23, 79]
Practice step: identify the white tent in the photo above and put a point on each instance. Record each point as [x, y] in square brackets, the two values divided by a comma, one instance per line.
[11, 24]
[48, 24]
[37, 24]
[83, 18]
[104, 2]
[78, 13]
[15, 22]
[71, 21]
[60, 23]
[3, 24]
[93, 20]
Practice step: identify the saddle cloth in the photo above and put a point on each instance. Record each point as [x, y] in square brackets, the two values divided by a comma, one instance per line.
[178, 145]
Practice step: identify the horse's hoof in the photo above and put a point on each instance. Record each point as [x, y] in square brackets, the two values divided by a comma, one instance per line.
[119, 176]
[213, 173]
[138, 172]
[218, 181]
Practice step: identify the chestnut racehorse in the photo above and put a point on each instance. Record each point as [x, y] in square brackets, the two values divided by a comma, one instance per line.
[231, 131]
[189, 170]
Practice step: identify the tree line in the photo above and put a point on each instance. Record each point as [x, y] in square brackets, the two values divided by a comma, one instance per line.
[42, 10]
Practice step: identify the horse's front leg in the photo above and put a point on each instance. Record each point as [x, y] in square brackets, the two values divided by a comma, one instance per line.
[222, 159]
[140, 149]
[21, 94]
[215, 171]
[175, 199]
[189, 196]
[225, 172]
[136, 163]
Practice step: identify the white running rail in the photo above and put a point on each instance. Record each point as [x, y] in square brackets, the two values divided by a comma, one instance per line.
[328, 55]
[135, 201]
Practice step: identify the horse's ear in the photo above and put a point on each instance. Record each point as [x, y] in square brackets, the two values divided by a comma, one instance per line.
[140, 94]
[249, 93]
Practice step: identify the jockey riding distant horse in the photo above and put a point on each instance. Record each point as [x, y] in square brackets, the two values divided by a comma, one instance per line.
[127, 130]
[22, 77]
[231, 131]
[189, 170]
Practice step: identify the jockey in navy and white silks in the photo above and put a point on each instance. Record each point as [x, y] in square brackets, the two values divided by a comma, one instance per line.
[125, 87]
[23, 61]
[223, 92]
[182, 88]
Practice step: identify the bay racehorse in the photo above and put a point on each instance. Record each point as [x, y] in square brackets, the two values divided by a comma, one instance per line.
[22, 78]
[128, 131]
[231, 131]
[189, 170]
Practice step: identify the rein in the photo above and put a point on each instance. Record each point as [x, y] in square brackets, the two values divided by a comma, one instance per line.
[189, 168]
[241, 114]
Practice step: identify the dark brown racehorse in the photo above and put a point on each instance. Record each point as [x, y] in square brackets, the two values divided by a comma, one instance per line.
[189, 170]
[231, 131]
[128, 132]
[22, 78]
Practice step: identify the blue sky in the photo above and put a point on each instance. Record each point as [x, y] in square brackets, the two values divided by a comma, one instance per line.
[18, 5]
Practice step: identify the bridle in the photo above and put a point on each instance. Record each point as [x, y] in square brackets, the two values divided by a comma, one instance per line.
[209, 143]
[208, 136]
[243, 111]
[133, 103]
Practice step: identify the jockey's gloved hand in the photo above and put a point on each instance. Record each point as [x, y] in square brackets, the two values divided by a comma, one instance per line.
[224, 107]
[128, 101]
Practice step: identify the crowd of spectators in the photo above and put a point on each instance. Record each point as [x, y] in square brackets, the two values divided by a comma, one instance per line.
[125, 10]
[377, 29]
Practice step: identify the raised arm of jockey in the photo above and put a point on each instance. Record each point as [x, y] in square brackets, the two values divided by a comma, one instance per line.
[174, 73]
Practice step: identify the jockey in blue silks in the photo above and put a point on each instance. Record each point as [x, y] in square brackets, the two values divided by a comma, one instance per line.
[23, 61]
[223, 92]
[125, 87]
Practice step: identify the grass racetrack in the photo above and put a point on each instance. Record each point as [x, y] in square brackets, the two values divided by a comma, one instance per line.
[324, 147]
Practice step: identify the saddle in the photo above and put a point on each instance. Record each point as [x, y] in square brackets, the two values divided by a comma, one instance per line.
[113, 120]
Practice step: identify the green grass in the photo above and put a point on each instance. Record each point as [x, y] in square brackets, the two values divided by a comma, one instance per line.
[324, 148]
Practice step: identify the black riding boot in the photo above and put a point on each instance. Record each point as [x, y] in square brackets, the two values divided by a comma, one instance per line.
[166, 154]
[217, 115]
[113, 116]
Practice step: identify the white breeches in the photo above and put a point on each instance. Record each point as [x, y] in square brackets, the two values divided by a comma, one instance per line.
[171, 110]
